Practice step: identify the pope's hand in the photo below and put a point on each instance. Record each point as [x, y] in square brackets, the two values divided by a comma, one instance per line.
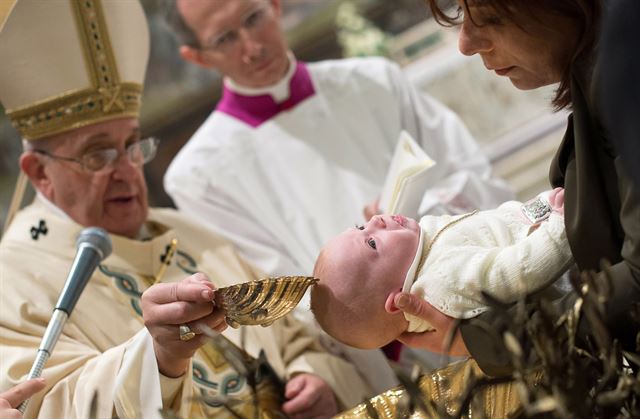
[309, 396]
[433, 340]
[11, 399]
[167, 306]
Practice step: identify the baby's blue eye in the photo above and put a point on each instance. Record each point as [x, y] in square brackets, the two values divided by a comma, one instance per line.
[371, 243]
[359, 227]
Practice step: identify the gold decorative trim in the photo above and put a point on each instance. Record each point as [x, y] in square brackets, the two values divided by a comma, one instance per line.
[73, 110]
[96, 44]
[167, 259]
[5, 10]
[107, 98]
[444, 387]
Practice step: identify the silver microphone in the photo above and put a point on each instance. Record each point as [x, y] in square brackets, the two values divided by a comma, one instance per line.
[93, 245]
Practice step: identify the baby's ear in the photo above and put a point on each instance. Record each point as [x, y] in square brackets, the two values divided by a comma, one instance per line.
[389, 305]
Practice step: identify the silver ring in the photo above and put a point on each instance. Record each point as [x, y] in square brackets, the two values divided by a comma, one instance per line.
[186, 333]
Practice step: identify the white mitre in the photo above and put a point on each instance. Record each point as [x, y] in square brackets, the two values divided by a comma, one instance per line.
[71, 63]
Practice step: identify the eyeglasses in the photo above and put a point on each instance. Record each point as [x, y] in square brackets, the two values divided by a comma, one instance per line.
[227, 40]
[139, 153]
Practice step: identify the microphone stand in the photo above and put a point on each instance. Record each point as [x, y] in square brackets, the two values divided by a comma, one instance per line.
[49, 340]
[69, 296]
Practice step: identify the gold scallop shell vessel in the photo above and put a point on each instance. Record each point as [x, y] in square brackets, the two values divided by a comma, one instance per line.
[262, 302]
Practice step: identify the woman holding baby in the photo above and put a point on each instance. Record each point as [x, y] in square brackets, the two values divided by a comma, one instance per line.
[536, 44]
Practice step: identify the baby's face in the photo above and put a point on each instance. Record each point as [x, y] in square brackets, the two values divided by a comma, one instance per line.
[360, 270]
[384, 247]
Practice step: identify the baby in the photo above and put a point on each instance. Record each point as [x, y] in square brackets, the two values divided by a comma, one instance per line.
[447, 260]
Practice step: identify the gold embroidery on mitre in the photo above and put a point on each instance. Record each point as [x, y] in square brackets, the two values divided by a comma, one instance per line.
[107, 98]
[73, 110]
[112, 98]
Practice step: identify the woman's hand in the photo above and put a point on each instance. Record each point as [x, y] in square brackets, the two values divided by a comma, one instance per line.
[165, 307]
[433, 340]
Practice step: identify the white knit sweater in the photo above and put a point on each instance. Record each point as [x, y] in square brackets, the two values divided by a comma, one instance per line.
[490, 250]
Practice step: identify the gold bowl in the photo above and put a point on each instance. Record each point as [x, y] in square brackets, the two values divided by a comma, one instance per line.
[261, 302]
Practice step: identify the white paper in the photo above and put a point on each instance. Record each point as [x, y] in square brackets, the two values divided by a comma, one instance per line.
[407, 178]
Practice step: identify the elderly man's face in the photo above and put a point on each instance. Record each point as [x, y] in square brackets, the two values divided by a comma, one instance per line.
[241, 39]
[114, 198]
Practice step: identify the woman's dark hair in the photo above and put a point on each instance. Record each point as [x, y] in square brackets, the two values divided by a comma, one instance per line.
[586, 13]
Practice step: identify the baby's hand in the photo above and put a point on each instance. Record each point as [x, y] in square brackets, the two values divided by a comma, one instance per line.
[556, 200]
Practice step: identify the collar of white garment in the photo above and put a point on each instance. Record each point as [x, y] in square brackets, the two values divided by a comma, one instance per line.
[416, 324]
[143, 234]
[413, 269]
[280, 91]
[51, 206]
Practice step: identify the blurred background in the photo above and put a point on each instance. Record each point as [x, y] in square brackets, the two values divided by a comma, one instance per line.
[517, 130]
